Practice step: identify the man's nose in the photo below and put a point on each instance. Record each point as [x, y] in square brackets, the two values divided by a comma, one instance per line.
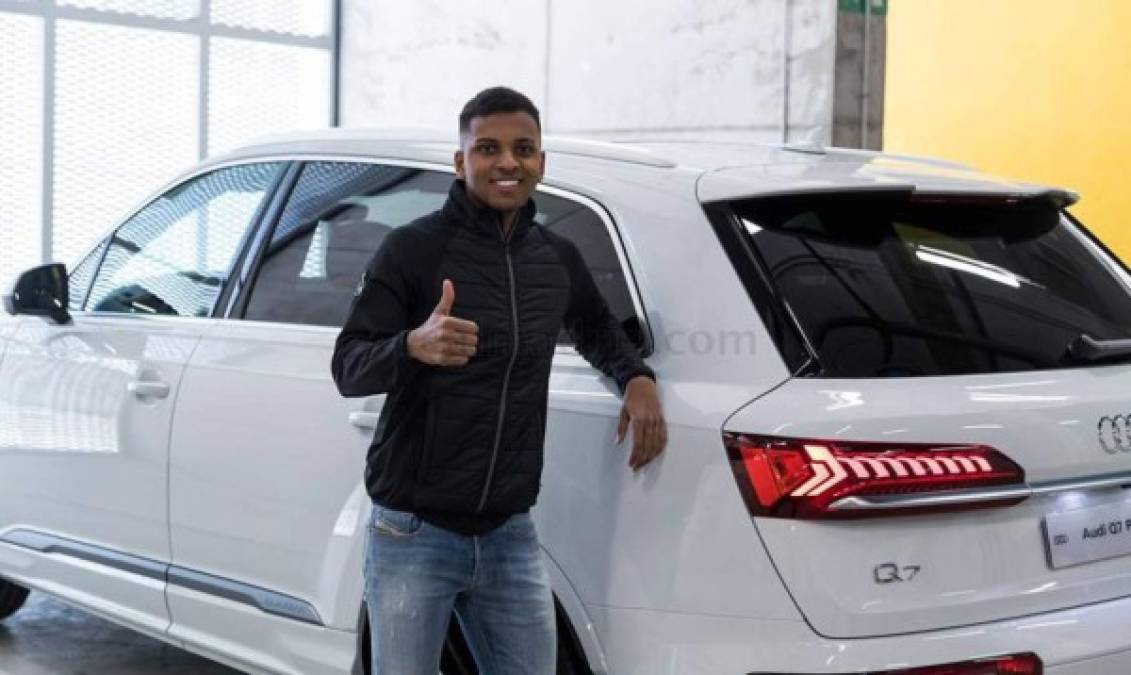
[507, 160]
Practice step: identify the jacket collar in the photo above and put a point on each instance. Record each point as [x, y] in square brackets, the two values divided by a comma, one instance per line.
[483, 219]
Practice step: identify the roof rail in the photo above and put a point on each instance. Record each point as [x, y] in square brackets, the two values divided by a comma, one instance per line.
[551, 143]
[604, 150]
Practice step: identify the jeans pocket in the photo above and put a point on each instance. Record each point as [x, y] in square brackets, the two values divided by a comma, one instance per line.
[394, 523]
[521, 526]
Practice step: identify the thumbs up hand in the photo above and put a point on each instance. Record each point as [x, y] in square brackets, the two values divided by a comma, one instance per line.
[444, 340]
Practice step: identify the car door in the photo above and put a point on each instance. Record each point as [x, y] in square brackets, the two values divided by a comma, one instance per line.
[267, 503]
[86, 408]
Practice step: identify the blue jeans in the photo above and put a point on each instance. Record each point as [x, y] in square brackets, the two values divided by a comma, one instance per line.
[416, 574]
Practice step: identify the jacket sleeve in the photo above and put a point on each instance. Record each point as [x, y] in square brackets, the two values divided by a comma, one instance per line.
[597, 334]
[371, 353]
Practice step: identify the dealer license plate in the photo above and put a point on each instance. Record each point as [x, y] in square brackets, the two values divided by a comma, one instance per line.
[1089, 534]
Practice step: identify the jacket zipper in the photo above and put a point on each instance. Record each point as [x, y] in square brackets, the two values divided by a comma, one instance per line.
[510, 366]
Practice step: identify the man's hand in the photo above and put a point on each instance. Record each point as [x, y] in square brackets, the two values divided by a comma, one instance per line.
[649, 431]
[444, 340]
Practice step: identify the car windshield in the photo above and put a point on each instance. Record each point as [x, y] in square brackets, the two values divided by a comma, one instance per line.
[893, 284]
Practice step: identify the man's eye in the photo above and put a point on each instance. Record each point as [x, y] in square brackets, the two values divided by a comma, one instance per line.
[526, 150]
[484, 148]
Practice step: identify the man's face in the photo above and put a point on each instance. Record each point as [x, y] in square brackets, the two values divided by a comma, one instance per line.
[501, 160]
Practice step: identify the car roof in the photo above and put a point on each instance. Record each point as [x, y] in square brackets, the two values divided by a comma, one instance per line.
[723, 169]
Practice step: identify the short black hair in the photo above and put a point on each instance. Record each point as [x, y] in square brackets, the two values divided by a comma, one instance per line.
[496, 100]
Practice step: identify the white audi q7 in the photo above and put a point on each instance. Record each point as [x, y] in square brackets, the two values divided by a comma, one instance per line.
[897, 391]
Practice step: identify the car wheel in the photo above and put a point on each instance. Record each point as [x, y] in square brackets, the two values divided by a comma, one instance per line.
[12, 597]
[571, 659]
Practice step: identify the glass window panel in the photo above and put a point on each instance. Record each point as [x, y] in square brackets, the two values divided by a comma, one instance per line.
[335, 220]
[257, 88]
[888, 286]
[173, 256]
[21, 143]
[587, 231]
[166, 9]
[126, 121]
[297, 17]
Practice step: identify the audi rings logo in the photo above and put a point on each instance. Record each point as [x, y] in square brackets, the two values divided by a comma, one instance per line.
[1114, 432]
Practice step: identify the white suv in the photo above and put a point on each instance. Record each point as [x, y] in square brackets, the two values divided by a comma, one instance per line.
[900, 429]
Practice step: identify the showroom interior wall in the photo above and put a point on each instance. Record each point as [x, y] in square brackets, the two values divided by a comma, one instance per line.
[757, 69]
[102, 101]
[1036, 89]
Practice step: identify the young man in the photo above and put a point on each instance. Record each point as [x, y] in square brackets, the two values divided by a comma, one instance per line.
[456, 317]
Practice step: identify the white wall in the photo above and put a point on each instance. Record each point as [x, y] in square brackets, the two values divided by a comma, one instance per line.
[704, 68]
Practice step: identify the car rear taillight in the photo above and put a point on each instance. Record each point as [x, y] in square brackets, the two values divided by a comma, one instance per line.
[1015, 664]
[799, 478]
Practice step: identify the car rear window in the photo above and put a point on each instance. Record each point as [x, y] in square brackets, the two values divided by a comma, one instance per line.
[899, 285]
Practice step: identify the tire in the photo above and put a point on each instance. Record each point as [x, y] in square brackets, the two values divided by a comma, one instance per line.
[12, 597]
[571, 658]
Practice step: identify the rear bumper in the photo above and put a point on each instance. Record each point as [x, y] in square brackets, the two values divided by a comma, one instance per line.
[1090, 639]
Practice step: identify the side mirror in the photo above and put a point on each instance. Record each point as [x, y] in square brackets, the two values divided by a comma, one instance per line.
[41, 291]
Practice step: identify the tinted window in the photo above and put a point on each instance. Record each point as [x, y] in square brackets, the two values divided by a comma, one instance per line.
[175, 254]
[587, 231]
[894, 286]
[338, 216]
[334, 222]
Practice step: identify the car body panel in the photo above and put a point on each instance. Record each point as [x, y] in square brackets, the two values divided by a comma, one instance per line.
[252, 641]
[641, 534]
[266, 465]
[650, 539]
[84, 458]
[975, 566]
[643, 642]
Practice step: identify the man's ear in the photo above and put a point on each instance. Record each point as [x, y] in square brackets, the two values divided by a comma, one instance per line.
[458, 161]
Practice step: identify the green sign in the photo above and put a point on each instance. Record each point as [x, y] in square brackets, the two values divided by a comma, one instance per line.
[875, 7]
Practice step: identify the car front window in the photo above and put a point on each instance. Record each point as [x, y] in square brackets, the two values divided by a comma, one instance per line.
[174, 256]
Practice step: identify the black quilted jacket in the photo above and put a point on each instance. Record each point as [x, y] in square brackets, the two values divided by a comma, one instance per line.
[462, 446]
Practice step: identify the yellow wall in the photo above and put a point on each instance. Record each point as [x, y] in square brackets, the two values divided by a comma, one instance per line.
[1039, 90]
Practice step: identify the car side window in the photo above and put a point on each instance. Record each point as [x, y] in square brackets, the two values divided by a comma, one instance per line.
[582, 226]
[338, 216]
[174, 255]
[335, 220]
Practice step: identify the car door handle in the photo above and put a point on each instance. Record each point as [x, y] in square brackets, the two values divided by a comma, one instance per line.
[364, 420]
[148, 389]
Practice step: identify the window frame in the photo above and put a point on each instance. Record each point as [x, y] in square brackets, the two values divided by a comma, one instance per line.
[237, 303]
[254, 225]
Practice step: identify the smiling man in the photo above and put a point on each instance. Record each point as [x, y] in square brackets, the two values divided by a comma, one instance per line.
[456, 318]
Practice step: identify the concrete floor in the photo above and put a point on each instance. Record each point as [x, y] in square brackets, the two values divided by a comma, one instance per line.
[47, 637]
